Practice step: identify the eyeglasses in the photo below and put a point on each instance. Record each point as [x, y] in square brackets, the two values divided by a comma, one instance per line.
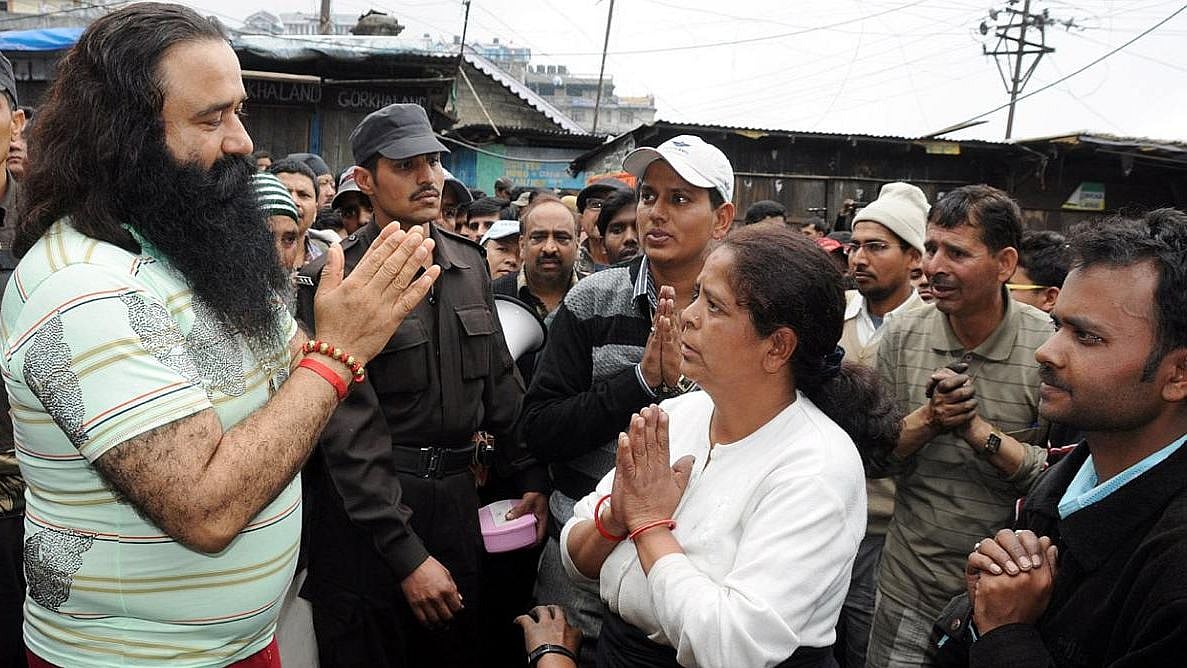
[871, 247]
[1025, 286]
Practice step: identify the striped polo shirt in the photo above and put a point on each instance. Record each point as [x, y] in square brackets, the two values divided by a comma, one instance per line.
[99, 346]
[947, 498]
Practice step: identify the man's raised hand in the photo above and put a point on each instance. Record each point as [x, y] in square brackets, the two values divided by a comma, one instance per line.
[360, 312]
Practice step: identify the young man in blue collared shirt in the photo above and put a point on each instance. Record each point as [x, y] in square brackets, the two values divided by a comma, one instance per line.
[1095, 574]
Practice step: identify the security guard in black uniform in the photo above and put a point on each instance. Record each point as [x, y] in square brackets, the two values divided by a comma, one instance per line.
[393, 542]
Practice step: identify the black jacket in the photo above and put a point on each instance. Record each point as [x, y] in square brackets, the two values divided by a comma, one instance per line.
[585, 386]
[445, 374]
[1120, 596]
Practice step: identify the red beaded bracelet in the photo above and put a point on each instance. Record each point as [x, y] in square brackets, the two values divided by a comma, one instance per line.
[327, 373]
[598, 522]
[322, 348]
[670, 523]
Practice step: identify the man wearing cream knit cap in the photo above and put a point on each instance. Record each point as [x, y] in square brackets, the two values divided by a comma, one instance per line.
[887, 243]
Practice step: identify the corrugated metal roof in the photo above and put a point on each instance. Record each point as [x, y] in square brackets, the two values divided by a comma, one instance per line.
[757, 131]
[339, 47]
[524, 93]
[1113, 141]
[1082, 136]
[584, 140]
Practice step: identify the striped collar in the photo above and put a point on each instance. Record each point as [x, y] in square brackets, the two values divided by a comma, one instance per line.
[645, 286]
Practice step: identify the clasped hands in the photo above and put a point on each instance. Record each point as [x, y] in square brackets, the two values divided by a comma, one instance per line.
[662, 356]
[647, 485]
[952, 401]
[1009, 578]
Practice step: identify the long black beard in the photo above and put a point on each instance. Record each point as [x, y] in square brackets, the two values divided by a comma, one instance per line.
[208, 224]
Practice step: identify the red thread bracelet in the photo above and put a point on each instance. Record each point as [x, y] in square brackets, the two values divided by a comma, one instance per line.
[671, 524]
[327, 373]
[598, 522]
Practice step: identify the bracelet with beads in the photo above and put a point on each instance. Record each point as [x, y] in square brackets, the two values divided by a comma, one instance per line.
[320, 347]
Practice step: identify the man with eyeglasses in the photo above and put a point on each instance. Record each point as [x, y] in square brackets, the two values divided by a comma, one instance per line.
[1042, 266]
[886, 244]
[592, 253]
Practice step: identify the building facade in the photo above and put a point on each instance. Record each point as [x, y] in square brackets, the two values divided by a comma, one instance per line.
[576, 95]
[1058, 181]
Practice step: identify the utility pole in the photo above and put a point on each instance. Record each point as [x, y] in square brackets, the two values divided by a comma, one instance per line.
[461, 53]
[465, 77]
[324, 25]
[1017, 47]
[602, 71]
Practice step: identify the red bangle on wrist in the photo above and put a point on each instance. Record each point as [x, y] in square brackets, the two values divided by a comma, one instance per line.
[598, 522]
[670, 523]
[327, 373]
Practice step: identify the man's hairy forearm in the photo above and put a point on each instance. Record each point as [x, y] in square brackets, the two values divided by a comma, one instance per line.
[916, 432]
[202, 485]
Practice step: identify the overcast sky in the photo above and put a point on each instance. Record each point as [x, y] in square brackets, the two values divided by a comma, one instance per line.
[885, 67]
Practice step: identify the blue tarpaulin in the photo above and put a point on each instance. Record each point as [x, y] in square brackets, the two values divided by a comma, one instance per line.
[45, 39]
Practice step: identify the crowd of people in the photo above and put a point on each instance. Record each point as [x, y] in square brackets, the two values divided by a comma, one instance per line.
[257, 403]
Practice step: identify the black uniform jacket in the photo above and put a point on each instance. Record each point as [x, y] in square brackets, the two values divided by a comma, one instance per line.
[445, 374]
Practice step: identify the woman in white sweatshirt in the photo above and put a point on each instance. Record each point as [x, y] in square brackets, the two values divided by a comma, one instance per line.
[726, 534]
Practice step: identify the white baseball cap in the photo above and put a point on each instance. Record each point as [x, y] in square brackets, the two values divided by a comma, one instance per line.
[701, 164]
[500, 229]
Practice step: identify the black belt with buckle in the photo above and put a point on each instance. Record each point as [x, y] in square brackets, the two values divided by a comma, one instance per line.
[433, 462]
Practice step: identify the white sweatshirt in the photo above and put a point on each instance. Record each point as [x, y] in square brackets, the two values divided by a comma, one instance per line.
[769, 528]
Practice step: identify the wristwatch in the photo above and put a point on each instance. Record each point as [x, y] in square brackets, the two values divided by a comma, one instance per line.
[665, 391]
[992, 444]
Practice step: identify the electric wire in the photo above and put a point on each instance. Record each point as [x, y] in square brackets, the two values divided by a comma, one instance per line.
[1091, 64]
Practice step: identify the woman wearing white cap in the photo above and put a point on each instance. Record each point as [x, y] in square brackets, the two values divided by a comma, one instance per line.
[726, 533]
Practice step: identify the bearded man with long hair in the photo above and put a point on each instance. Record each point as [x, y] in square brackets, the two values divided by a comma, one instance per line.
[162, 406]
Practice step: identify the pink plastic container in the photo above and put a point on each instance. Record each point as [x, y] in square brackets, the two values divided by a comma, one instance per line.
[502, 535]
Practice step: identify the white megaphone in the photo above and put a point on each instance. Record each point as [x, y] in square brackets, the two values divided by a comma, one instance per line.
[522, 328]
